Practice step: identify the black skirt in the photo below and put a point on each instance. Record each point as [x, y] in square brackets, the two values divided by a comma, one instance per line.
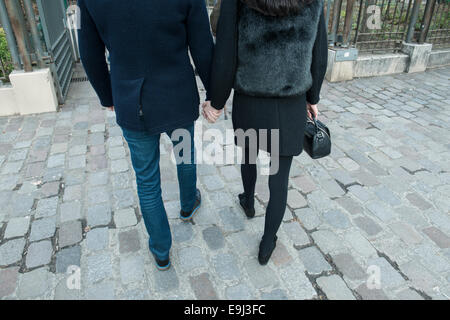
[288, 115]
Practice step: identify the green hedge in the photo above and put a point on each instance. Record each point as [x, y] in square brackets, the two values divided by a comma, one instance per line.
[5, 56]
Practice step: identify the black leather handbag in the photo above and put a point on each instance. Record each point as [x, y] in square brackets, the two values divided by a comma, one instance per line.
[317, 142]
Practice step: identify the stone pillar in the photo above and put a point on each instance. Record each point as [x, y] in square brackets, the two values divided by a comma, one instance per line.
[419, 55]
[340, 64]
[34, 91]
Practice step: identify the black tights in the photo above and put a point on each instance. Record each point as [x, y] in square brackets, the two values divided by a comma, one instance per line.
[278, 186]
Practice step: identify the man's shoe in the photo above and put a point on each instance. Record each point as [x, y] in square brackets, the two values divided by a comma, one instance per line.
[162, 265]
[249, 212]
[265, 253]
[189, 215]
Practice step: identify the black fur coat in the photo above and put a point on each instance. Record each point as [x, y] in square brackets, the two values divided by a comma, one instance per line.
[267, 46]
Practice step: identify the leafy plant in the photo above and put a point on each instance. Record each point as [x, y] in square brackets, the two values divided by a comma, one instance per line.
[6, 65]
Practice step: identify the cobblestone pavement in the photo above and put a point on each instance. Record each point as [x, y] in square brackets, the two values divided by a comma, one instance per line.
[378, 208]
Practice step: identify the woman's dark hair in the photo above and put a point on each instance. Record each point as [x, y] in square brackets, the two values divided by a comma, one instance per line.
[277, 7]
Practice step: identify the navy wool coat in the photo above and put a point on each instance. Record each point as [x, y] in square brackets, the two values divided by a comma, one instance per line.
[151, 81]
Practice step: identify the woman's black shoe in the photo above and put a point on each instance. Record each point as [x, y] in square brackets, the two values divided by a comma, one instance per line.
[265, 253]
[249, 212]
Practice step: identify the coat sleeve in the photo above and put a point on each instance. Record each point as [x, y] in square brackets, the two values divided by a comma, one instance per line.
[200, 41]
[319, 62]
[225, 56]
[92, 53]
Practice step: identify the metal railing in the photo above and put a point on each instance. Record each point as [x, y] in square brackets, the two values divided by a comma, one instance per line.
[382, 25]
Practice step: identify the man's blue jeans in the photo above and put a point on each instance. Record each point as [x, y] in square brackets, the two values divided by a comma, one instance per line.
[145, 155]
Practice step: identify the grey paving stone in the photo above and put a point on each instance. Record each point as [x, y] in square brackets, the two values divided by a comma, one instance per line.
[99, 215]
[350, 205]
[313, 260]
[296, 200]
[332, 188]
[17, 227]
[381, 211]
[349, 267]
[182, 232]
[260, 276]
[72, 193]
[47, 207]
[34, 284]
[387, 196]
[129, 241]
[203, 287]
[389, 277]
[418, 201]
[101, 291]
[120, 165]
[132, 269]
[335, 288]
[68, 257]
[296, 233]
[8, 279]
[308, 218]
[239, 292]
[371, 294]
[277, 294]
[97, 239]
[408, 294]
[43, 229]
[337, 219]
[226, 266]
[343, 177]
[281, 256]
[191, 258]
[11, 251]
[213, 237]
[98, 195]
[57, 160]
[63, 292]
[98, 267]
[125, 218]
[70, 211]
[406, 232]
[69, 233]
[21, 205]
[39, 254]
[360, 244]
[167, 281]
[98, 178]
[327, 240]
[232, 220]
[369, 226]
[50, 189]
[360, 193]
[438, 237]
[124, 198]
[212, 183]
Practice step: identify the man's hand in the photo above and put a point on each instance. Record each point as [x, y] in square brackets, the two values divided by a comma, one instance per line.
[211, 114]
[110, 108]
[312, 110]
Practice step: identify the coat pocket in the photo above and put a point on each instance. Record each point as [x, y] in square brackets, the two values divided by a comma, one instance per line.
[127, 100]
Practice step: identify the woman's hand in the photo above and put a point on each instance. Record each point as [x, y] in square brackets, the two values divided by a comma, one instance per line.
[312, 110]
[211, 114]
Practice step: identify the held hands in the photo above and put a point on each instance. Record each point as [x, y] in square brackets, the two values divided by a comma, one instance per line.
[210, 113]
[312, 110]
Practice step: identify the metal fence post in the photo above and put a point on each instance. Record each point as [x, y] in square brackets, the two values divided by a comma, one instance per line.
[10, 36]
[34, 32]
[428, 14]
[15, 10]
[348, 21]
[335, 23]
[413, 20]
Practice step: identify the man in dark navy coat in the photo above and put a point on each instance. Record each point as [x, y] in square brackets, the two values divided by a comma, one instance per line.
[152, 87]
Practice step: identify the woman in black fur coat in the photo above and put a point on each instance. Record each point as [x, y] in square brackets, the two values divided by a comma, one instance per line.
[274, 54]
